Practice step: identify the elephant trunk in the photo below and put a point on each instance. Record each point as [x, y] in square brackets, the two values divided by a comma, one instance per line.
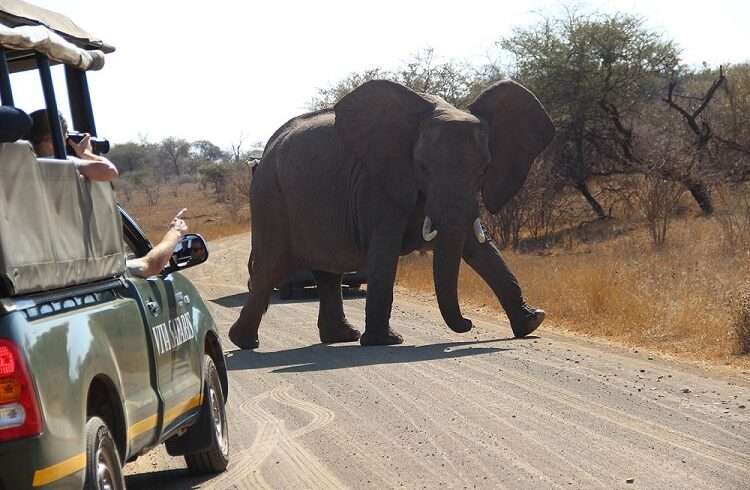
[446, 262]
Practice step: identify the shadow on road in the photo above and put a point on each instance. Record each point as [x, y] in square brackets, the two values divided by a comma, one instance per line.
[165, 479]
[321, 357]
[305, 295]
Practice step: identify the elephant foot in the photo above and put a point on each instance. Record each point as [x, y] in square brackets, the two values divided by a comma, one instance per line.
[462, 327]
[527, 322]
[343, 332]
[381, 337]
[241, 339]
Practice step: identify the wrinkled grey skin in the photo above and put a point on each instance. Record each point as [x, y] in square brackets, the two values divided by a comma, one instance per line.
[340, 189]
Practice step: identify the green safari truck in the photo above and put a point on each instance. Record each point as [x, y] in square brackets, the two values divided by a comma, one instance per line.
[97, 366]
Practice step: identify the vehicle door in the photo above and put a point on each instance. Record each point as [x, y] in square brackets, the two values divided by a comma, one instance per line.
[167, 312]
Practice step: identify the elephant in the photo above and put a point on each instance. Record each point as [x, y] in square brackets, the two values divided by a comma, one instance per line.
[385, 172]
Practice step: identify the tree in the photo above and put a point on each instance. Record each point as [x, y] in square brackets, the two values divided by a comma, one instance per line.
[451, 80]
[705, 143]
[327, 97]
[174, 150]
[456, 82]
[131, 156]
[576, 62]
[206, 151]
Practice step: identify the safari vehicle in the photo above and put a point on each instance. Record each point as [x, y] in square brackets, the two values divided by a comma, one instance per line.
[96, 366]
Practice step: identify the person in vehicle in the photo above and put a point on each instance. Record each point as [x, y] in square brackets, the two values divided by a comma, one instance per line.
[158, 257]
[90, 165]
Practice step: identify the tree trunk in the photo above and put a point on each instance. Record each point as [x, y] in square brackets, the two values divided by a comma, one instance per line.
[702, 195]
[595, 206]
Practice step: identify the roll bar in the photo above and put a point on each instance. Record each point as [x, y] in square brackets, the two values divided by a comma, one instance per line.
[79, 97]
[6, 95]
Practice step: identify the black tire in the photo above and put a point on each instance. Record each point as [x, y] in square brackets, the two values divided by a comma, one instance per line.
[216, 458]
[103, 463]
[286, 291]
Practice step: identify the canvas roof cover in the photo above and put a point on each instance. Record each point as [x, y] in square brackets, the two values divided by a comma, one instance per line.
[26, 29]
[57, 229]
[55, 47]
[15, 13]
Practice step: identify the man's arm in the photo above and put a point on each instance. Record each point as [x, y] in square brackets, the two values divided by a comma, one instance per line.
[102, 170]
[91, 165]
[158, 257]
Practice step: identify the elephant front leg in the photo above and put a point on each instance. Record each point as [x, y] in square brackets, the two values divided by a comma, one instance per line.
[486, 260]
[382, 261]
[332, 323]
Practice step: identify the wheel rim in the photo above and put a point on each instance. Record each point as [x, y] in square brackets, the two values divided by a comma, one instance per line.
[217, 414]
[105, 469]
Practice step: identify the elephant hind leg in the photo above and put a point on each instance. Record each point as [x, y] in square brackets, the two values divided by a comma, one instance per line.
[332, 323]
[265, 275]
[270, 258]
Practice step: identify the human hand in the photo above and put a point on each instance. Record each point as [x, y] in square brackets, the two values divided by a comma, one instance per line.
[82, 148]
[178, 224]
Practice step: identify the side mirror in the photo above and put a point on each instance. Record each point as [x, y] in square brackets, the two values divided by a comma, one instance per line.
[190, 252]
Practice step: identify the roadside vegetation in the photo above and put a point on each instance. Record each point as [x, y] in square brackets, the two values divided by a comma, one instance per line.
[158, 179]
[634, 224]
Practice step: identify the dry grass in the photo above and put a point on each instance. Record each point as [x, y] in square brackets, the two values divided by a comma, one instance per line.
[740, 327]
[690, 300]
[205, 215]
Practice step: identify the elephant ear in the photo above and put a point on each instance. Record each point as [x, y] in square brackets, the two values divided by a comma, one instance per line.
[519, 130]
[379, 120]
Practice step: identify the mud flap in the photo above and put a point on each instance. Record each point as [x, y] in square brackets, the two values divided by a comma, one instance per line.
[197, 438]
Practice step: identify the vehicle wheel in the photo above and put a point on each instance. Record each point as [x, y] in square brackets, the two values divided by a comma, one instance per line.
[215, 458]
[103, 464]
[286, 291]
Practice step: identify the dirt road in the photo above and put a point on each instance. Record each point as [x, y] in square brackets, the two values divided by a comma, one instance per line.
[447, 410]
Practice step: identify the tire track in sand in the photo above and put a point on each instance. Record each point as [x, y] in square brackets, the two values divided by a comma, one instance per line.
[273, 435]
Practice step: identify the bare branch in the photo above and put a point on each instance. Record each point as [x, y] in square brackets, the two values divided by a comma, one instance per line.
[688, 117]
[703, 130]
[711, 91]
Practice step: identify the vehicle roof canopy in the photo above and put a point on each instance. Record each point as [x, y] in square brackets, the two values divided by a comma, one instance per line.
[15, 13]
[25, 27]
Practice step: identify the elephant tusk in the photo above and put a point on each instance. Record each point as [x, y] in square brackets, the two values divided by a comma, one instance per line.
[479, 231]
[427, 232]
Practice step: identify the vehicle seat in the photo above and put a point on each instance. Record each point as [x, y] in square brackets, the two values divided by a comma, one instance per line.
[14, 124]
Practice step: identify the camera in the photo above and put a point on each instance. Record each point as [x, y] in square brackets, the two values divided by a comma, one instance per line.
[100, 146]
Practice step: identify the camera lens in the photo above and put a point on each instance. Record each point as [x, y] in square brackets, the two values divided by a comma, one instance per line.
[100, 146]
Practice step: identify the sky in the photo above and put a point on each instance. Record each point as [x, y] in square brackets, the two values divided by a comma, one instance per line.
[231, 71]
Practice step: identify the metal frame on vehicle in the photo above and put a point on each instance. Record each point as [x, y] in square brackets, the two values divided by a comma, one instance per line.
[79, 95]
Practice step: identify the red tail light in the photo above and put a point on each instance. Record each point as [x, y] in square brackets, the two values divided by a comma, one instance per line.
[19, 412]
